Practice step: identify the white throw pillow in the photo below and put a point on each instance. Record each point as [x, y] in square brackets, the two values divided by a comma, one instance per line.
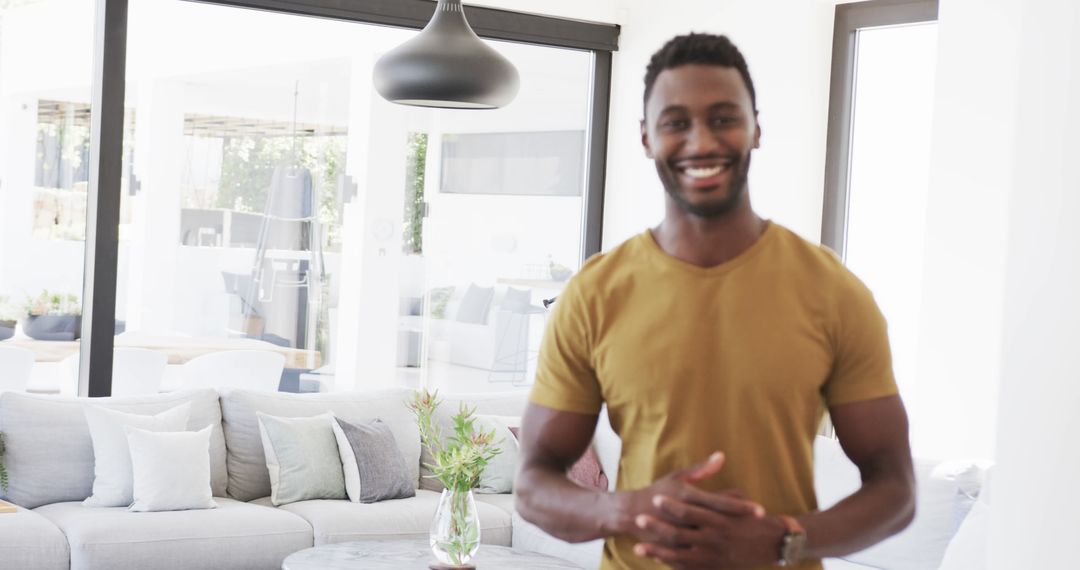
[170, 470]
[498, 475]
[943, 498]
[967, 550]
[348, 463]
[112, 458]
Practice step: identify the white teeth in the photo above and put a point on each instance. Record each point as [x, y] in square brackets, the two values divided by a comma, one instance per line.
[703, 172]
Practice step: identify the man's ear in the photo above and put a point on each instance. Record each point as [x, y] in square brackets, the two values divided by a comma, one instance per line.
[645, 140]
[757, 132]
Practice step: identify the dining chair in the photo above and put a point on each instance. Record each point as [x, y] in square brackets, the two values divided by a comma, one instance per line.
[136, 372]
[15, 366]
[247, 369]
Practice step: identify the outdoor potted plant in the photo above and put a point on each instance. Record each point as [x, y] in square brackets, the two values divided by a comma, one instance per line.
[53, 316]
[457, 463]
[10, 313]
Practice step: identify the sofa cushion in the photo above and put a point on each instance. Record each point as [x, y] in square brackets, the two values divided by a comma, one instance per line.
[342, 521]
[945, 493]
[234, 535]
[504, 501]
[530, 538]
[493, 404]
[50, 457]
[29, 540]
[248, 475]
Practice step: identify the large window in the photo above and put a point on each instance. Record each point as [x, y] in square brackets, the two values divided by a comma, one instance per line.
[272, 201]
[44, 133]
[877, 192]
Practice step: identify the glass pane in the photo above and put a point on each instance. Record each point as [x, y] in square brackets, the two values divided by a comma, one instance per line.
[280, 205]
[890, 162]
[45, 64]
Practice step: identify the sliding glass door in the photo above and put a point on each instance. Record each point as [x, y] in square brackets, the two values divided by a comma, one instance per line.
[275, 202]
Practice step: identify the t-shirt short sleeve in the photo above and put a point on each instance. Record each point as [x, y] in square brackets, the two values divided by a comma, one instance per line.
[566, 377]
[862, 366]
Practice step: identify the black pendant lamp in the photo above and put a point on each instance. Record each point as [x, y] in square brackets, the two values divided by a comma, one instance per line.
[446, 65]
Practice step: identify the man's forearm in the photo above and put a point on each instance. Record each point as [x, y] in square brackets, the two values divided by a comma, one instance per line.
[880, 509]
[567, 511]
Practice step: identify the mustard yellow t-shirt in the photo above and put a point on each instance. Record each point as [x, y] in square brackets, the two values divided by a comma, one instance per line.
[742, 357]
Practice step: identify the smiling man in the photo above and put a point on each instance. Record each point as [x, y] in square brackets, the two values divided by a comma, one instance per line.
[717, 340]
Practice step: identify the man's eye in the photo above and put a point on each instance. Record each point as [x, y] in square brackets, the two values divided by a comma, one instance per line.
[725, 120]
[674, 124]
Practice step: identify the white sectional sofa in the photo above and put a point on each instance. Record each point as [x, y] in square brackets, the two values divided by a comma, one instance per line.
[50, 463]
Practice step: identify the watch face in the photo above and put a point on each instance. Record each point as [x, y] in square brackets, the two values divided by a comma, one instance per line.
[791, 551]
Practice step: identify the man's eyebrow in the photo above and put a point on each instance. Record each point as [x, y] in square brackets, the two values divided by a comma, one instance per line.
[672, 109]
[721, 106]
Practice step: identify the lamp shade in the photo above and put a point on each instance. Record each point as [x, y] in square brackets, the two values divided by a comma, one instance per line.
[446, 65]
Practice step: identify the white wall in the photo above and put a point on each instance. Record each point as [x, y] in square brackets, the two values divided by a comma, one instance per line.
[788, 45]
[789, 59]
[964, 263]
[1034, 523]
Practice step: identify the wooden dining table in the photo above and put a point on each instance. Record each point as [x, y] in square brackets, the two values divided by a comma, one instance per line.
[179, 349]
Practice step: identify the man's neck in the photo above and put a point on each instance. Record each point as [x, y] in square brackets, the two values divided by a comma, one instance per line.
[708, 242]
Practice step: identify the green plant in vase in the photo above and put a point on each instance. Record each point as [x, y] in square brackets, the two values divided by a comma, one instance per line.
[457, 462]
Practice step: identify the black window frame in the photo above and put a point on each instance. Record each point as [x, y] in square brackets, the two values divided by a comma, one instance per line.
[107, 129]
[849, 20]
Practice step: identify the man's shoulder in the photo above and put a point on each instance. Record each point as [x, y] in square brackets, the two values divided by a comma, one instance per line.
[820, 268]
[802, 254]
[609, 264]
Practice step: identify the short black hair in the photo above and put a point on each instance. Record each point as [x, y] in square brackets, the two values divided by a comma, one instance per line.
[706, 49]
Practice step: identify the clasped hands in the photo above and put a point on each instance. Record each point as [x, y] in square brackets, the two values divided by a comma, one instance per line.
[687, 528]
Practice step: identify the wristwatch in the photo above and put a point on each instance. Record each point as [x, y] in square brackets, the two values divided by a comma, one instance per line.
[793, 543]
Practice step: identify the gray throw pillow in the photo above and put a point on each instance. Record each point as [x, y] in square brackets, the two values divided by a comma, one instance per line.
[517, 300]
[374, 467]
[302, 458]
[475, 304]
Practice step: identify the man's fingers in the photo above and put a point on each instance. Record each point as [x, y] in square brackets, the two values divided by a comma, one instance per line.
[726, 503]
[671, 556]
[687, 515]
[661, 532]
[703, 471]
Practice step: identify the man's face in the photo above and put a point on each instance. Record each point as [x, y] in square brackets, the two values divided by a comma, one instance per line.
[700, 128]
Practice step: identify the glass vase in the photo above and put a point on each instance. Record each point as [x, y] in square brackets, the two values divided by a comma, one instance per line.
[455, 530]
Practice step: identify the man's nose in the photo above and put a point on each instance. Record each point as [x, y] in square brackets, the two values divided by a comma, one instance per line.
[700, 140]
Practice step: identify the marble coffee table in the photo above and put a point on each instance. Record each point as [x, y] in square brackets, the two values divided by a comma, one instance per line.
[411, 555]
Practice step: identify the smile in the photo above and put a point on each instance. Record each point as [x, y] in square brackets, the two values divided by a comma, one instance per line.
[702, 171]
